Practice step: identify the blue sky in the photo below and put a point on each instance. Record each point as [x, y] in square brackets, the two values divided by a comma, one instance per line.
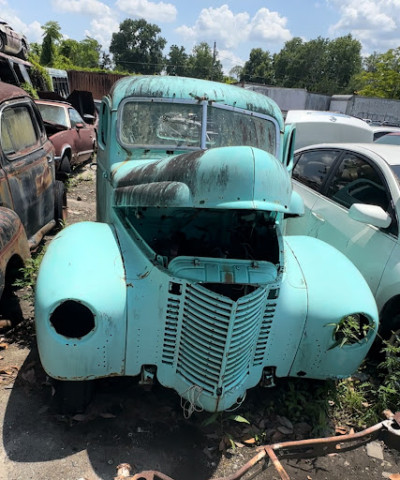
[236, 26]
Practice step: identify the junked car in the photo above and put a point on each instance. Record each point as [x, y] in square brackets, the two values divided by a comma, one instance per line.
[32, 202]
[11, 42]
[74, 139]
[189, 280]
[351, 194]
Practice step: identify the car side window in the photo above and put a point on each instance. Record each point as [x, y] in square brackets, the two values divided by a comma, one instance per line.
[74, 117]
[18, 132]
[312, 167]
[356, 181]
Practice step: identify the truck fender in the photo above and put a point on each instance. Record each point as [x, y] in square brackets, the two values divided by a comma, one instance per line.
[80, 304]
[329, 276]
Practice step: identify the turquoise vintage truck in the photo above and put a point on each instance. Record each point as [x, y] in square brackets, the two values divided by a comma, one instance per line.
[186, 278]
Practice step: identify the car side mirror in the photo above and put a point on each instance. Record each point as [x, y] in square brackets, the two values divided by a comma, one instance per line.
[372, 214]
[89, 118]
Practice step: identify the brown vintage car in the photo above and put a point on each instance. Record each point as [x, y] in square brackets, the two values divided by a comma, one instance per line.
[74, 139]
[11, 42]
[32, 201]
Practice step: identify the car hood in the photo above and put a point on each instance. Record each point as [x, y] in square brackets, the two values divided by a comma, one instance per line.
[226, 177]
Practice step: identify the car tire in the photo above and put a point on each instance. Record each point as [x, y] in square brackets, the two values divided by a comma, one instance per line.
[60, 204]
[73, 397]
[65, 165]
[24, 51]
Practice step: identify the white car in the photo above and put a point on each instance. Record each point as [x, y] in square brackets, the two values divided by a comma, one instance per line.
[351, 194]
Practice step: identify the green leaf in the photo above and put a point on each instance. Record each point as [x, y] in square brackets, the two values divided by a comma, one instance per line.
[239, 418]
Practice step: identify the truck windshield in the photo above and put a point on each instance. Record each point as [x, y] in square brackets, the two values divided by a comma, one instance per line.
[180, 125]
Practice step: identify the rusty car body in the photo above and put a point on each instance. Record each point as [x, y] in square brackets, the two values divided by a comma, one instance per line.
[189, 280]
[31, 201]
[74, 139]
[12, 42]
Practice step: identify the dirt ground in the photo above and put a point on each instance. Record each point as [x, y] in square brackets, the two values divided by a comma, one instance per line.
[145, 428]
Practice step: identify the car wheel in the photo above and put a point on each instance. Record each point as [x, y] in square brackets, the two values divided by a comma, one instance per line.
[60, 204]
[24, 51]
[73, 397]
[65, 165]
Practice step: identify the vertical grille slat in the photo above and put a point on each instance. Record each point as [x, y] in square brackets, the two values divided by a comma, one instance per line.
[211, 340]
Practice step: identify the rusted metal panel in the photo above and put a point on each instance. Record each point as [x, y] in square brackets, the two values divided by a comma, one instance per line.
[98, 83]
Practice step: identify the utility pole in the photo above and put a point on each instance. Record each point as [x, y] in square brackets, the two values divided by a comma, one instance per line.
[213, 60]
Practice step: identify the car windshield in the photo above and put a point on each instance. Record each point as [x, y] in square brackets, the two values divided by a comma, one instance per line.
[396, 171]
[53, 114]
[389, 139]
[162, 124]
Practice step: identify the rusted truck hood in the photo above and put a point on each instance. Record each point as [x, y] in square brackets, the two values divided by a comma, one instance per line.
[226, 177]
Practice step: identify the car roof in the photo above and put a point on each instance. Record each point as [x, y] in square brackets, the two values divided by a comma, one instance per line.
[385, 128]
[388, 153]
[57, 103]
[8, 92]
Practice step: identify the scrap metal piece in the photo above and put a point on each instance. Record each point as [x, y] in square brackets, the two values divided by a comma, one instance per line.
[307, 447]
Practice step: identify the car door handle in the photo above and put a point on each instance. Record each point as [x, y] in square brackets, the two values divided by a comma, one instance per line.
[49, 158]
[318, 216]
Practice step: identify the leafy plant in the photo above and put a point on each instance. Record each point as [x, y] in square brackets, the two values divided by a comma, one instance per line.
[361, 403]
[350, 329]
[28, 273]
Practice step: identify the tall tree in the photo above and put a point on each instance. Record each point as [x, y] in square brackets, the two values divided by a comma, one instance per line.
[288, 64]
[384, 79]
[203, 63]
[236, 72]
[258, 69]
[137, 47]
[177, 61]
[51, 38]
[320, 65]
[343, 62]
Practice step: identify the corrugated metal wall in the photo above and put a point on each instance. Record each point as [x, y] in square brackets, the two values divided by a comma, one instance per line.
[97, 83]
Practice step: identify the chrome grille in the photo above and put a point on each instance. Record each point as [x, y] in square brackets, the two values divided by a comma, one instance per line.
[218, 337]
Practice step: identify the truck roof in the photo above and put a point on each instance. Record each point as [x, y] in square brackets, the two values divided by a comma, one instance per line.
[172, 87]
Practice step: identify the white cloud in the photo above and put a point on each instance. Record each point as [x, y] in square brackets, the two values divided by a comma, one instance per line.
[150, 11]
[230, 30]
[267, 26]
[85, 7]
[102, 29]
[375, 23]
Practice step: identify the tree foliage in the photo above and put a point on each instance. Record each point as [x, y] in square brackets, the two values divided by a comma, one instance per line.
[320, 65]
[138, 48]
[381, 78]
[85, 53]
[177, 61]
[203, 63]
[258, 68]
[51, 38]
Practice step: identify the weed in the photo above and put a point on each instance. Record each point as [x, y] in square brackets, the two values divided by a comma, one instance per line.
[28, 273]
[361, 403]
[350, 329]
